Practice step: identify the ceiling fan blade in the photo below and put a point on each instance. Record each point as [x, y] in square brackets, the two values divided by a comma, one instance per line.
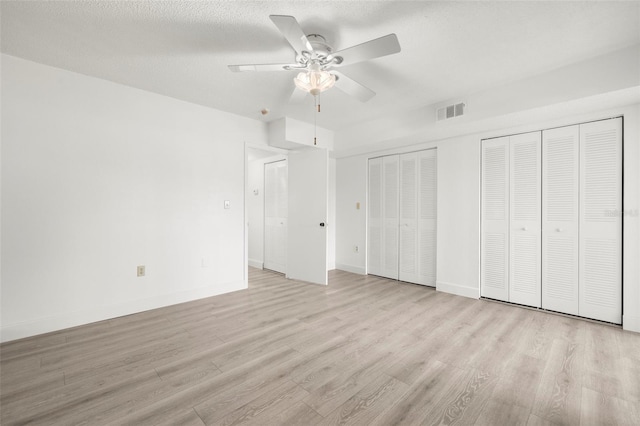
[292, 31]
[352, 87]
[371, 49]
[263, 67]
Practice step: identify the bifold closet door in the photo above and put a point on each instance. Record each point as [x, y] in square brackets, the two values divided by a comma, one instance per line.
[494, 265]
[408, 224]
[383, 216]
[417, 226]
[560, 183]
[375, 222]
[402, 217]
[524, 217]
[600, 242]
[427, 216]
[275, 216]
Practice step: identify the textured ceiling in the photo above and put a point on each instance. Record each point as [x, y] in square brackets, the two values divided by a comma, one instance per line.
[182, 49]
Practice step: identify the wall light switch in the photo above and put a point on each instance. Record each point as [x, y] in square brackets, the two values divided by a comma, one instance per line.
[358, 205]
[227, 204]
[140, 270]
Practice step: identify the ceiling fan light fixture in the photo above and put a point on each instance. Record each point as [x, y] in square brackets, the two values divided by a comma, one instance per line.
[314, 81]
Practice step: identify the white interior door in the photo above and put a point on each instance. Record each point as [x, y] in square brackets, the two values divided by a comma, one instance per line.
[494, 265]
[308, 210]
[427, 216]
[275, 216]
[408, 230]
[524, 247]
[600, 259]
[560, 183]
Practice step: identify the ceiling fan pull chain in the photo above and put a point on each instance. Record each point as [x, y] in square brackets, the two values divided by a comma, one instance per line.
[315, 119]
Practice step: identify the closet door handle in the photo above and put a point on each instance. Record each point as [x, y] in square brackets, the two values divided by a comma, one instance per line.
[524, 228]
[558, 229]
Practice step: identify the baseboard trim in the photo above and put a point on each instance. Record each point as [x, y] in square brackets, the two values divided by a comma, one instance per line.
[457, 289]
[256, 264]
[350, 268]
[101, 313]
[630, 323]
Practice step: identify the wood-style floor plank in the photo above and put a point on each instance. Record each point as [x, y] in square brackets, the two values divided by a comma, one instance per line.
[363, 350]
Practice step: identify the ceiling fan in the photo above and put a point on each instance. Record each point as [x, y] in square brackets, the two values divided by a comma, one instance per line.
[317, 63]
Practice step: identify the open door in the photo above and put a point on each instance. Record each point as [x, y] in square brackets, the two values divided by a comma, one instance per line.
[308, 200]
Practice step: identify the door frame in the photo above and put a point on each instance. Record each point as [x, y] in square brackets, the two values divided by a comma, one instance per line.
[250, 148]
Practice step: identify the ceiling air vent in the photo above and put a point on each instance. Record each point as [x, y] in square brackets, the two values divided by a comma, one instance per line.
[450, 111]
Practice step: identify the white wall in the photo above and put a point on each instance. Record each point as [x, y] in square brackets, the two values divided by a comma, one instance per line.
[98, 178]
[458, 247]
[351, 188]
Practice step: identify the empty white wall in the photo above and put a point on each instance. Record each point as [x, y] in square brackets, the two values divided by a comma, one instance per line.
[351, 188]
[458, 247]
[98, 178]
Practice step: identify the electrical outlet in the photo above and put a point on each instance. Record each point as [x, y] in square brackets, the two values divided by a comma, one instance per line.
[227, 204]
[356, 249]
[140, 271]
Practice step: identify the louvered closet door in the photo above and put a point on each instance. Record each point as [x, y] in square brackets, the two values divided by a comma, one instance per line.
[600, 220]
[427, 216]
[525, 205]
[494, 274]
[390, 208]
[374, 230]
[275, 216]
[560, 188]
[408, 224]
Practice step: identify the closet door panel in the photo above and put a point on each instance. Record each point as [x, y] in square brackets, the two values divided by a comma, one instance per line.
[525, 205]
[601, 220]
[390, 197]
[427, 216]
[560, 188]
[374, 228]
[494, 274]
[275, 216]
[408, 224]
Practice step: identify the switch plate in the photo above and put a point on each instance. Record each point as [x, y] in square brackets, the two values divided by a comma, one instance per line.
[358, 205]
[227, 204]
[140, 270]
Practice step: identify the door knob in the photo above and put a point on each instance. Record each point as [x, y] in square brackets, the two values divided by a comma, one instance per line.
[322, 224]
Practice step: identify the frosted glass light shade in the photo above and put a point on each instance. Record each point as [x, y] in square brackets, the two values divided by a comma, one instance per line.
[314, 81]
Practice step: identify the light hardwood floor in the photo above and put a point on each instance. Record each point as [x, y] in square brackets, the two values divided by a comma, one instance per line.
[362, 351]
